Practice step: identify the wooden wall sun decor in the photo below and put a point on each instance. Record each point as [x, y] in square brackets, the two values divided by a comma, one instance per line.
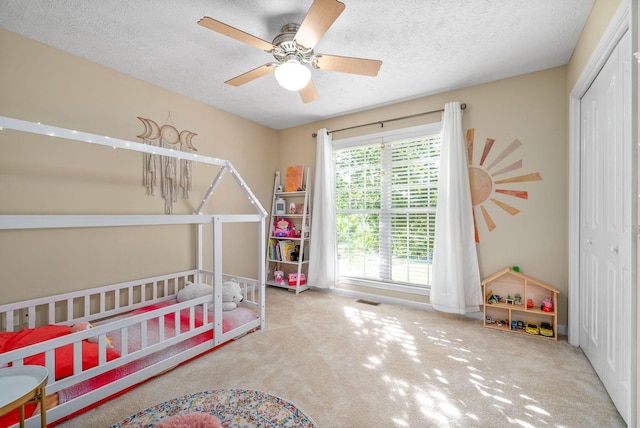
[484, 180]
[173, 172]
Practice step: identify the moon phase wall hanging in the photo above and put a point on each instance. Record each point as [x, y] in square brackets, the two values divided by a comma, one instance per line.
[173, 173]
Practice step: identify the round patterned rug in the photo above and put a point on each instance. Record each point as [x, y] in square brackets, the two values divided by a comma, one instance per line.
[234, 408]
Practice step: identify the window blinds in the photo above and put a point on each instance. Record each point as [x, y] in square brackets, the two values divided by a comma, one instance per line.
[386, 195]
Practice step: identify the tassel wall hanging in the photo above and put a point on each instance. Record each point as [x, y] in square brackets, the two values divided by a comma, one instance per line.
[174, 173]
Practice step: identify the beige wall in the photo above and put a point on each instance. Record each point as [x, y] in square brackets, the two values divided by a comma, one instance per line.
[599, 18]
[38, 175]
[530, 108]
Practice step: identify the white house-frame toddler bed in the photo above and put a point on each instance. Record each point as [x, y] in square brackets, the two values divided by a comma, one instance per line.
[140, 327]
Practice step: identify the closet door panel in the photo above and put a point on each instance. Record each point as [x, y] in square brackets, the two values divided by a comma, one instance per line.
[606, 241]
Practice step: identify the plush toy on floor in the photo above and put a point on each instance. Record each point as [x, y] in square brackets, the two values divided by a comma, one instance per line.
[231, 295]
[84, 325]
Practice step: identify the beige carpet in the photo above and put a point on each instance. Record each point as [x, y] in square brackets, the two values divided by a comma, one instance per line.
[349, 364]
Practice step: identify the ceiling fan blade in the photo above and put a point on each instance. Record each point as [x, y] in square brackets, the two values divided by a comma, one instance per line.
[234, 33]
[308, 93]
[251, 75]
[320, 16]
[344, 64]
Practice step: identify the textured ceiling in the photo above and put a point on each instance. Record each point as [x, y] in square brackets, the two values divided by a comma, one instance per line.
[426, 46]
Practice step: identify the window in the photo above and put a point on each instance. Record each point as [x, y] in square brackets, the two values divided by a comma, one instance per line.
[386, 194]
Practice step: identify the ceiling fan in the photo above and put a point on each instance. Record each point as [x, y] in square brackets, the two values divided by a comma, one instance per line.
[293, 51]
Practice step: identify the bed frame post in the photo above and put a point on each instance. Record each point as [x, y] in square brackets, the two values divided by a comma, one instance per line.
[199, 264]
[217, 279]
[262, 278]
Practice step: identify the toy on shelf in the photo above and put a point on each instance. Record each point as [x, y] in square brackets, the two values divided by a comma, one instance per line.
[491, 298]
[284, 228]
[529, 303]
[546, 329]
[532, 328]
[278, 277]
[502, 323]
[293, 278]
[517, 299]
[547, 305]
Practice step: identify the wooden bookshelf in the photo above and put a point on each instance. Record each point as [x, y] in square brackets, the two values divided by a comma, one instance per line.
[502, 308]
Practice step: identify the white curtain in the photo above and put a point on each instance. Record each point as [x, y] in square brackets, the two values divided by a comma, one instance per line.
[456, 286]
[323, 258]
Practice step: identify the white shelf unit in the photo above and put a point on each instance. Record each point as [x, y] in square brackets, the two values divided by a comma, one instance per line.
[302, 223]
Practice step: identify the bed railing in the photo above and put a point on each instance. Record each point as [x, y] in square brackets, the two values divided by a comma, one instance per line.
[88, 305]
[111, 300]
[139, 293]
[145, 347]
[249, 287]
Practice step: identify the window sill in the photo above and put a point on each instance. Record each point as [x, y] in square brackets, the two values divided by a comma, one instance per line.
[408, 289]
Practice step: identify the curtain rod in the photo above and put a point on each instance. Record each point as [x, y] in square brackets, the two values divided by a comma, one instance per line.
[382, 122]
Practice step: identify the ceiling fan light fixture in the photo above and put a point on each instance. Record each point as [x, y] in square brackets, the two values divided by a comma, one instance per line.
[292, 75]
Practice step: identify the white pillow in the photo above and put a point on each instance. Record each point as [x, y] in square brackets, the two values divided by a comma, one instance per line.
[193, 291]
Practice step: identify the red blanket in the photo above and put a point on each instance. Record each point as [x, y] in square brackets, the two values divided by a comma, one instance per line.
[10, 341]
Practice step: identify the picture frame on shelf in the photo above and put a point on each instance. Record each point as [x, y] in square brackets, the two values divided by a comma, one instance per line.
[293, 181]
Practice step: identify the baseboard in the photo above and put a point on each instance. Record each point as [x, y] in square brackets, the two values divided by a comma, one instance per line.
[371, 297]
[562, 330]
[378, 298]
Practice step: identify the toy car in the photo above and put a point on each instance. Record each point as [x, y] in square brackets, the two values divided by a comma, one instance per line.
[532, 328]
[546, 329]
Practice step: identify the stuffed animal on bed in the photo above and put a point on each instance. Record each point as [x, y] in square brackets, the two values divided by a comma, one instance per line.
[193, 291]
[231, 295]
[84, 325]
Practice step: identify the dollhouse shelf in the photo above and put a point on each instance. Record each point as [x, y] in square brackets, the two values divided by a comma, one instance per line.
[509, 283]
[301, 221]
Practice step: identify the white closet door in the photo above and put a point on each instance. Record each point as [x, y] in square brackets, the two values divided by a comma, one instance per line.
[606, 238]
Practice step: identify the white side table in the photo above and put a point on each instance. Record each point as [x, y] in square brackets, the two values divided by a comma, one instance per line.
[22, 385]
